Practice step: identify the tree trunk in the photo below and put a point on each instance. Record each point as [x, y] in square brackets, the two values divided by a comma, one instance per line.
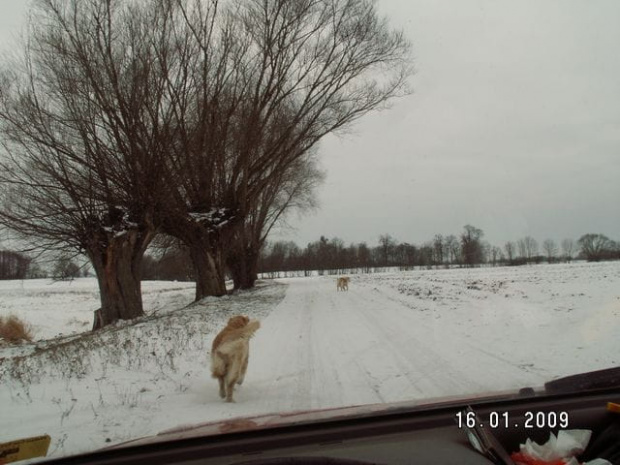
[117, 266]
[206, 243]
[98, 321]
[243, 266]
[210, 278]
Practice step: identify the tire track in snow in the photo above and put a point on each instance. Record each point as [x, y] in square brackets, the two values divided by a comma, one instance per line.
[321, 348]
[526, 367]
[291, 363]
[307, 353]
[427, 372]
[449, 363]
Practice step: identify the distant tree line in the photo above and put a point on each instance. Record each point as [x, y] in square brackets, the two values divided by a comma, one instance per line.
[18, 265]
[330, 256]
[66, 269]
[169, 260]
[13, 265]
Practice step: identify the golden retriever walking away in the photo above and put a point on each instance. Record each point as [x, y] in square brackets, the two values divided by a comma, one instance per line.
[342, 284]
[230, 352]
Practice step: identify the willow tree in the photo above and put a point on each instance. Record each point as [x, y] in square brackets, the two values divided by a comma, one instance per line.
[293, 190]
[269, 81]
[85, 122]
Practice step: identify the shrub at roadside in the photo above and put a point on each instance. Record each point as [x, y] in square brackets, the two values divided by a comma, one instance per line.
[13, 330]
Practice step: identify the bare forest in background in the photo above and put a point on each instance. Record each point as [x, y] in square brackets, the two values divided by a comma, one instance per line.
[469, 249]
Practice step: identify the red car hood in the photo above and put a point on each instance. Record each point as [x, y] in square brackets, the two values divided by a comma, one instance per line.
[274, 420]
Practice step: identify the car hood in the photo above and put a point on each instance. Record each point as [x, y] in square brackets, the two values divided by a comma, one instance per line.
[599, 379]
[304, 417]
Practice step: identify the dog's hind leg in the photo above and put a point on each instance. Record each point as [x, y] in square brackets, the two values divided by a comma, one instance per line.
[222, 387]
[230, 386]
[230, 381]
[244, 368]
[232, 375]
[220, 367]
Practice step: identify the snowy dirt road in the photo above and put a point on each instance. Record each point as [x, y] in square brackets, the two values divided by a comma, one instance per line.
[321, 348]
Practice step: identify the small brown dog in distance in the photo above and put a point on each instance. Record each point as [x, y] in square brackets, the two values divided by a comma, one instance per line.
[230, 352]
[342, 284]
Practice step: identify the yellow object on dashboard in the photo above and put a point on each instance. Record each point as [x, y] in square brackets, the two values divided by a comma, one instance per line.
[24, 449]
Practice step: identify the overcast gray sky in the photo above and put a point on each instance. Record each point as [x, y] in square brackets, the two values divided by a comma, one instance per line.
[513, 127]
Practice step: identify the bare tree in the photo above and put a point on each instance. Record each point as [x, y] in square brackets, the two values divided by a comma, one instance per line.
[277, 256]
[387, 245]
[510, 249]
[364, 257]
[36, 272]
[454, 248]
[471, 245]
[167, 259]
[613, 250]
[410, 253]
[293, 190]
[438, 249]
[425, 255]
[496, 255]
[531, 248]
[14, 265]
[594, 246]
[84, 117]
[568, 249]
[522, 247]
[280, 76]
[65, 269]
[486, 251]
[550, 248]
[528, 249]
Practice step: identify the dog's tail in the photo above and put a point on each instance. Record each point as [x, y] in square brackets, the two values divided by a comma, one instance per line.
[248, 330]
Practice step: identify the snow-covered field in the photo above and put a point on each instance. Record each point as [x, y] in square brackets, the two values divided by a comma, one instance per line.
[392, 337]
[61, 308]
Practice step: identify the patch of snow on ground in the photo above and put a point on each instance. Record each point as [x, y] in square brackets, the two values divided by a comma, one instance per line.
[64, 308]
